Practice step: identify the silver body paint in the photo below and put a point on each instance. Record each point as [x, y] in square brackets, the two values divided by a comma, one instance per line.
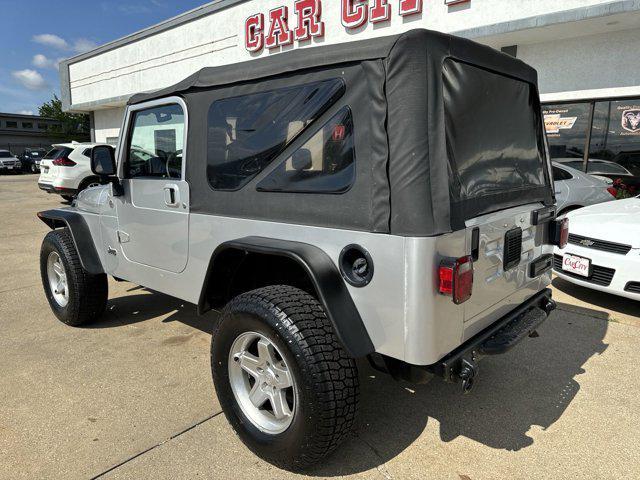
[168, 249]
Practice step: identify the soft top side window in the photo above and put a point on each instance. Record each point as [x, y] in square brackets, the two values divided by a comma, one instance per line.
[324, 164]
[246, 133]
[156, 143]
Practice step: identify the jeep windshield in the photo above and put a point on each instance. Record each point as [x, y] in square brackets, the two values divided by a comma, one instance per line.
[494, 138]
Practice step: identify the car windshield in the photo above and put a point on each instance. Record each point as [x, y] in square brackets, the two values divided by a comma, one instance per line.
[5, 155]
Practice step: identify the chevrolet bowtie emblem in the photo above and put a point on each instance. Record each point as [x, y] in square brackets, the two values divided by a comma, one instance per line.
[586, 242]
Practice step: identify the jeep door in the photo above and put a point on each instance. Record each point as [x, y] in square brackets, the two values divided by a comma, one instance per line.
[153, 213]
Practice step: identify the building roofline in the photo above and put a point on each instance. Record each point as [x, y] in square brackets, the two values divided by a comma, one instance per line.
[29, 117]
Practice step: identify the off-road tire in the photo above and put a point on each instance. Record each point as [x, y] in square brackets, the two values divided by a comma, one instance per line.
[87, 293]
[326, 377]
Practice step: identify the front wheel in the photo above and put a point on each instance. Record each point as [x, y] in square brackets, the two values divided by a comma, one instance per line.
[285, 383]
[75, 296]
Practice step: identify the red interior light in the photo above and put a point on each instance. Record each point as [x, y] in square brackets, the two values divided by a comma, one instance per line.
[456, 278]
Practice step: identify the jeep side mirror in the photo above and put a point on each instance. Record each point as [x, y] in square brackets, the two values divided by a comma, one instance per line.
[301, 160]
[103, 164]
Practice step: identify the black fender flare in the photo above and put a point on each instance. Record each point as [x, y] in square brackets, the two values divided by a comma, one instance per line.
[77, 225]
[329, 285]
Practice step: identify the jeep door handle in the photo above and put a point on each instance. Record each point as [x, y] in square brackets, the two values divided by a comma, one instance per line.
[171, 195]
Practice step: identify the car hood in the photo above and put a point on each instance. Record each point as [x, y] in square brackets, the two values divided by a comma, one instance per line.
[617, 221]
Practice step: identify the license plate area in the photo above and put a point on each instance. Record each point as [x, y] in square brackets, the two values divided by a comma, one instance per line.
[576, 264]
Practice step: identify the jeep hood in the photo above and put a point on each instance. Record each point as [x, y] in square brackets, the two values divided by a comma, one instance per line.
[617, 221]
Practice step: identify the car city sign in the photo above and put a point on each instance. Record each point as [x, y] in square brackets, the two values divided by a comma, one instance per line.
[277, 29]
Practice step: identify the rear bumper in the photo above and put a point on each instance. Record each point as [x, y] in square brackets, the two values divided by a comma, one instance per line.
[500, 337]
[49, 188]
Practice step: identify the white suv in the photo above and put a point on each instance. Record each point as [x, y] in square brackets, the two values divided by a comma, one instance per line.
[66, 169]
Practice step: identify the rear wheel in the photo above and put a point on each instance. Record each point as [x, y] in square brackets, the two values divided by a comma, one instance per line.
[75, 296]
[68, 198]
[286, 385]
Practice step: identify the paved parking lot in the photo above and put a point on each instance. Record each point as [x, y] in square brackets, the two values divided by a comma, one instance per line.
[132, 397]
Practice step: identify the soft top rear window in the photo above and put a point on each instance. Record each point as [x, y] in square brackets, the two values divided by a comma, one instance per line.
[494, 137]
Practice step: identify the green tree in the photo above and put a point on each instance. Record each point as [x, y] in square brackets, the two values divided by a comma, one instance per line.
[73, 126]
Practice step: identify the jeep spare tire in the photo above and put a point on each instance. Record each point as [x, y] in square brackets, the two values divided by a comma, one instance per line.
[286, 385]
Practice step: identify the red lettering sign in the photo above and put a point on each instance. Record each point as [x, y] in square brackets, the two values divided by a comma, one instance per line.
[309, 14]
[380, 11]
[354, 13]
[279, 33]
[309, 24]
[253, 32]
[410, 7]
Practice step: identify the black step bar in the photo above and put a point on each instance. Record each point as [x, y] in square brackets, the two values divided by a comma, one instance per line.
[461, 365]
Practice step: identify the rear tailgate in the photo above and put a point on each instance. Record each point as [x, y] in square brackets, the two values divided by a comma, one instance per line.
[48, 171]
[508, 243]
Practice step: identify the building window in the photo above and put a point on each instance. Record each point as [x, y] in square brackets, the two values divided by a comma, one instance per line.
[324, 164]
[42, 126]
[567, 126]
[613, 137]
[12, 124]
[246, 133]
[27, 125]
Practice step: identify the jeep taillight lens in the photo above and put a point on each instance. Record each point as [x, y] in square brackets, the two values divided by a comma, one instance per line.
[456, 278]
[64, 162]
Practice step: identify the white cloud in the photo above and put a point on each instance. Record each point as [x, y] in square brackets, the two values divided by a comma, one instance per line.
[25, 112]
[30, 79]
[51, 40]
[82, 45]
[79, 45]
[41, 61]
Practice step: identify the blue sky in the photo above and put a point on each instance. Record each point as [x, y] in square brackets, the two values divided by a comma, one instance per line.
[38, 33]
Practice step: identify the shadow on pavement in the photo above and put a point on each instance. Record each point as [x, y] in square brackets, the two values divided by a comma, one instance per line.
[597, 298]
[525, 390]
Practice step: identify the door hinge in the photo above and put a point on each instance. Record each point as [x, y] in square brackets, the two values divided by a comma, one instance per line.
[123, 237]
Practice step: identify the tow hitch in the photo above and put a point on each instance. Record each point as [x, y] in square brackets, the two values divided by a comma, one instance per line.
[467, 375]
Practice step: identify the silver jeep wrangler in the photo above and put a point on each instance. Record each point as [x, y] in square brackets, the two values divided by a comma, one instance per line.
[388, 199]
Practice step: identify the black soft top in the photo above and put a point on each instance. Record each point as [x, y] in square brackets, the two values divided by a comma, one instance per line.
[395, 87]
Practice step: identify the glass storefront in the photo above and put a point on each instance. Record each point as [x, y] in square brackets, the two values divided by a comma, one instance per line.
[609, 130]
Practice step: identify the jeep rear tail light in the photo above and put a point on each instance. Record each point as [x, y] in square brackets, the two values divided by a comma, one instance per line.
[64, 162]
[456, 278]
[613, 192]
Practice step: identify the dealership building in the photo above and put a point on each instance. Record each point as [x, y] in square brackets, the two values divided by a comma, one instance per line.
[585, 52]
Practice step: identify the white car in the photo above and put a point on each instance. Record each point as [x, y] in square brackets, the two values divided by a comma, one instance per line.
[575, 189]
[603, 252]
[9, 163]
[66, 170]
